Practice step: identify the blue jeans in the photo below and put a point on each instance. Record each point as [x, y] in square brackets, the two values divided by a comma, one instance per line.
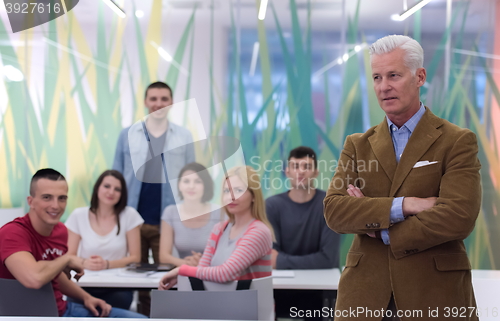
[78, 310]
[117, 298]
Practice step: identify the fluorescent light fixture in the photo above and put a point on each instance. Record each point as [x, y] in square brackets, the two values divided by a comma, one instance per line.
[255, 55]
[119, 11]
[395, 17]
[411, 11]
[139, 13]
[165, 55]
[340, 60]
[162, 52]
[12, 73]
[262, 9]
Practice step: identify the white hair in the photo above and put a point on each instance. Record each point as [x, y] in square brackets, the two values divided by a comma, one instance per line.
[414, 54]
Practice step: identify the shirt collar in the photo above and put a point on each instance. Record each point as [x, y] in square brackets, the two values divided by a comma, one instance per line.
[412, 122]
[170, 126]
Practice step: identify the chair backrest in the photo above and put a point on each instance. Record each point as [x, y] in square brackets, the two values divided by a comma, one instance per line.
[8, 214]
[17, 300]
[219, 301]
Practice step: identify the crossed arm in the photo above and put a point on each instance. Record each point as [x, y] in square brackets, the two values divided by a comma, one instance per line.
[451, 217]
[35, 274]
[411, 205]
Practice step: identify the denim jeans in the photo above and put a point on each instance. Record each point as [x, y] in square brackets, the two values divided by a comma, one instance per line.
[117, 298]
[78, 310]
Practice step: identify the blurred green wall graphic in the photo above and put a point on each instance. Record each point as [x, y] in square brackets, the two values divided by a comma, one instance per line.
[67, 109]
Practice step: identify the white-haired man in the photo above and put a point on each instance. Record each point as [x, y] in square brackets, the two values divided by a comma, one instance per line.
[413, 210]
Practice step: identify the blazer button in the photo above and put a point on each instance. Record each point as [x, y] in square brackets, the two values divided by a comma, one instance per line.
[376, 224]
[406, 252]
[368, 225]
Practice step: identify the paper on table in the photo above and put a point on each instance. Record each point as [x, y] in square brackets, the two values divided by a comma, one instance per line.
[283, 274]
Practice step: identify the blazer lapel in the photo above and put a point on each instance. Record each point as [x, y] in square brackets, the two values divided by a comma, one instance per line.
[383, 149]
[421, 140]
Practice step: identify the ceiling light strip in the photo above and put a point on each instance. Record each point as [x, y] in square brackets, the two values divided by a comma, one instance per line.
[412, 10]
[262, 9]
[119, 11]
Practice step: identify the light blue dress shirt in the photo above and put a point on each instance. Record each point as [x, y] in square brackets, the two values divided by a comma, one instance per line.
[400, 137]
[178, 137]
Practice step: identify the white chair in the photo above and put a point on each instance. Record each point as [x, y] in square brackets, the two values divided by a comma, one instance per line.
[9, 214]
[219, 301]
[487, 293]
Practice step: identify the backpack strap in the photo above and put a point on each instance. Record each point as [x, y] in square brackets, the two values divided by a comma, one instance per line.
[196, 284]
[244, 285]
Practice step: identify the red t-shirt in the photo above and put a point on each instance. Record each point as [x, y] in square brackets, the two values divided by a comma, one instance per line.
[19, 235]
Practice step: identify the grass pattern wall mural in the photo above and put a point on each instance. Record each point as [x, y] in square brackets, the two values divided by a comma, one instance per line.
[68, 110]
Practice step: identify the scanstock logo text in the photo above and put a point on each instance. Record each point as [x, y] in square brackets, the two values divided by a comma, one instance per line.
[26, 14]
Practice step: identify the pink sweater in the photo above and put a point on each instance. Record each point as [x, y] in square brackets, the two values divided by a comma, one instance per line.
[250, 259]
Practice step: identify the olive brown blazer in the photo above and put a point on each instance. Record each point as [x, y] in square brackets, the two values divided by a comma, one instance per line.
[425, 266]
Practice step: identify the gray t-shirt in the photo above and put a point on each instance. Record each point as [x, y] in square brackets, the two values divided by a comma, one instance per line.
[189, 239]
[225, 246]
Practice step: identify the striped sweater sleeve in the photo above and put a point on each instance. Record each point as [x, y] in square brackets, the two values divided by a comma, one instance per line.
[209, 251]
[255, 243]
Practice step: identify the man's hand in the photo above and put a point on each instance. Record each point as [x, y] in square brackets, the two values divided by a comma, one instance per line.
[95, 263]
[415, 205]
[75, 264]
[93, 304]
[375, 235]
[274, 257]
[354, 191]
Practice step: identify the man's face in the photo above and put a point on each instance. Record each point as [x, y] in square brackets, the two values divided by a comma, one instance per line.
[397, 89]
[301, 172]
[49, 201]
[158, 99]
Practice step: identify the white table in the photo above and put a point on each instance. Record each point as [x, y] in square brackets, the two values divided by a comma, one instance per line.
[486, 285]
[487, 292]
[309, 280]
[119, 278]
[324, 280]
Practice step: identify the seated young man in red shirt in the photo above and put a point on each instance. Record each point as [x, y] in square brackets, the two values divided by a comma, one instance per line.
[33, 250]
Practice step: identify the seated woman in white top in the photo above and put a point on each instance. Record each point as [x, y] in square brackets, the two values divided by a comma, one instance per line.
[189, 229]
[106, 235]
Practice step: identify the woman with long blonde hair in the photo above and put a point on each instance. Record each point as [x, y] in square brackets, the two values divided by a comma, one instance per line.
[240, 247]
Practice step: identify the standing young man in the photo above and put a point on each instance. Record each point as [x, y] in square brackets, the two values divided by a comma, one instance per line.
[33, 250]
[303, 240]
[411, 213]
[148, 190]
